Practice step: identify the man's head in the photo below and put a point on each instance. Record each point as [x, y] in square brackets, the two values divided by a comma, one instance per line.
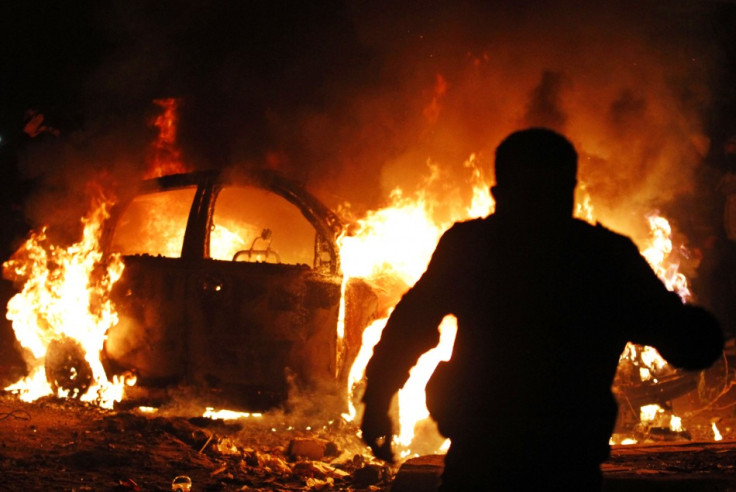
[536, 173]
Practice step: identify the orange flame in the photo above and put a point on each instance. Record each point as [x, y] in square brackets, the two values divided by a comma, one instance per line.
[412, 399]
[65, 295]
[398, 241]
[657, 250]
[658, 254]
[165, 156]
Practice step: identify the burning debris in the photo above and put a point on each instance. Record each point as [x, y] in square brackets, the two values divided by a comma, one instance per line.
[386, 250]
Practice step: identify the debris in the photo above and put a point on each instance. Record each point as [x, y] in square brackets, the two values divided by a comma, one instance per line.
[421, 473]
[311, 448]
[35, 126]
[206, 443]
[226, 446]
[308, 469]
[182, 483]
[369, 475]
[273, 463]
[129, 484]
[16, 414]
[317, 484]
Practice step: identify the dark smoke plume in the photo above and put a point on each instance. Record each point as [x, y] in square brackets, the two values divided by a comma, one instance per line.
[355, 98]
[544, 107]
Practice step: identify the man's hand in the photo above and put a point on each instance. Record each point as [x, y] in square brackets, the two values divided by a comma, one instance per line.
[377, 432]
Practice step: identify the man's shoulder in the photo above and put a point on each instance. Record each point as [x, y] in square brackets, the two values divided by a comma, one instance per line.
[470, 225]
[579, 228]
[595, 236]
[599, 236]
[602, 231]
[465, 229]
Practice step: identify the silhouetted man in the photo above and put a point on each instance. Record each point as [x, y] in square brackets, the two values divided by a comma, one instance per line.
[545, 305]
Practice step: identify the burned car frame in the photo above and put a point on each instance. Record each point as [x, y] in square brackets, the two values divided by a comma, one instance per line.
[239, 295]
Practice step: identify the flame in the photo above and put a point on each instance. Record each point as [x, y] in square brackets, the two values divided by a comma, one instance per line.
[658, 251]
[59, 299]
[394, 241]
[482, 202]
[412, 401]
[224, 242]
[716, 433]
[225, 414]
[649, 413]
[583, 204]
[154, 223]
[398, 240]
[647, 359]
[165, 157]
[371, 336]
[65, 296]
[658, 254]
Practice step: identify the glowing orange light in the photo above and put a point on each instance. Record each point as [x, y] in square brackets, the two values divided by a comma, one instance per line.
[165, 156]
[398, 241]
[65, 295]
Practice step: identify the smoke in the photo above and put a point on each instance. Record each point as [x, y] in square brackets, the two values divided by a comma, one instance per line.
[356, 98]
[69, 173]
[544, 108]
[629, 86]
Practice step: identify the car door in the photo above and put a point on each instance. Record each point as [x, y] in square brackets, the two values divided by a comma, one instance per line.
[268, 317]
[152, 295]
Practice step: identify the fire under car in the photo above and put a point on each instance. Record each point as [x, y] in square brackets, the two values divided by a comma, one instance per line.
[232, 285]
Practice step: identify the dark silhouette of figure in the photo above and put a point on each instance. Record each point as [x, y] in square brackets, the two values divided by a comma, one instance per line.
[545, 305]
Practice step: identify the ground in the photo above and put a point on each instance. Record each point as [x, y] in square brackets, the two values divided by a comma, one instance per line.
[56, 444]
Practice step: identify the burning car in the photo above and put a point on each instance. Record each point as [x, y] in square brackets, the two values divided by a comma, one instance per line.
[235, 285]
[232, 284]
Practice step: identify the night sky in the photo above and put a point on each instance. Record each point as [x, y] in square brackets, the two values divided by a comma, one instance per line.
[353, 97]
[92, 65]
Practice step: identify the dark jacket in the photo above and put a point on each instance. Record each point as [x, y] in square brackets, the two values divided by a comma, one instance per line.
[543, 316]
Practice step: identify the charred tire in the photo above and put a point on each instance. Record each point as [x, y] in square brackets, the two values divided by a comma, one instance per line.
[66, 368]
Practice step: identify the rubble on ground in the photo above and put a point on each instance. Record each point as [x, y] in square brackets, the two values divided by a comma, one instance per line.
[69, 445]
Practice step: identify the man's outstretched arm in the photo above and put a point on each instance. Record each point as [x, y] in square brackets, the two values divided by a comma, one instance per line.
[411, 330]
[687, 336]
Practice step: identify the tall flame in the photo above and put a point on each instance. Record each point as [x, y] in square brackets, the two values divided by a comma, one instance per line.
[412, 399]
[65, 296]
[658, 254]
[398, 241]
[165, 156]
